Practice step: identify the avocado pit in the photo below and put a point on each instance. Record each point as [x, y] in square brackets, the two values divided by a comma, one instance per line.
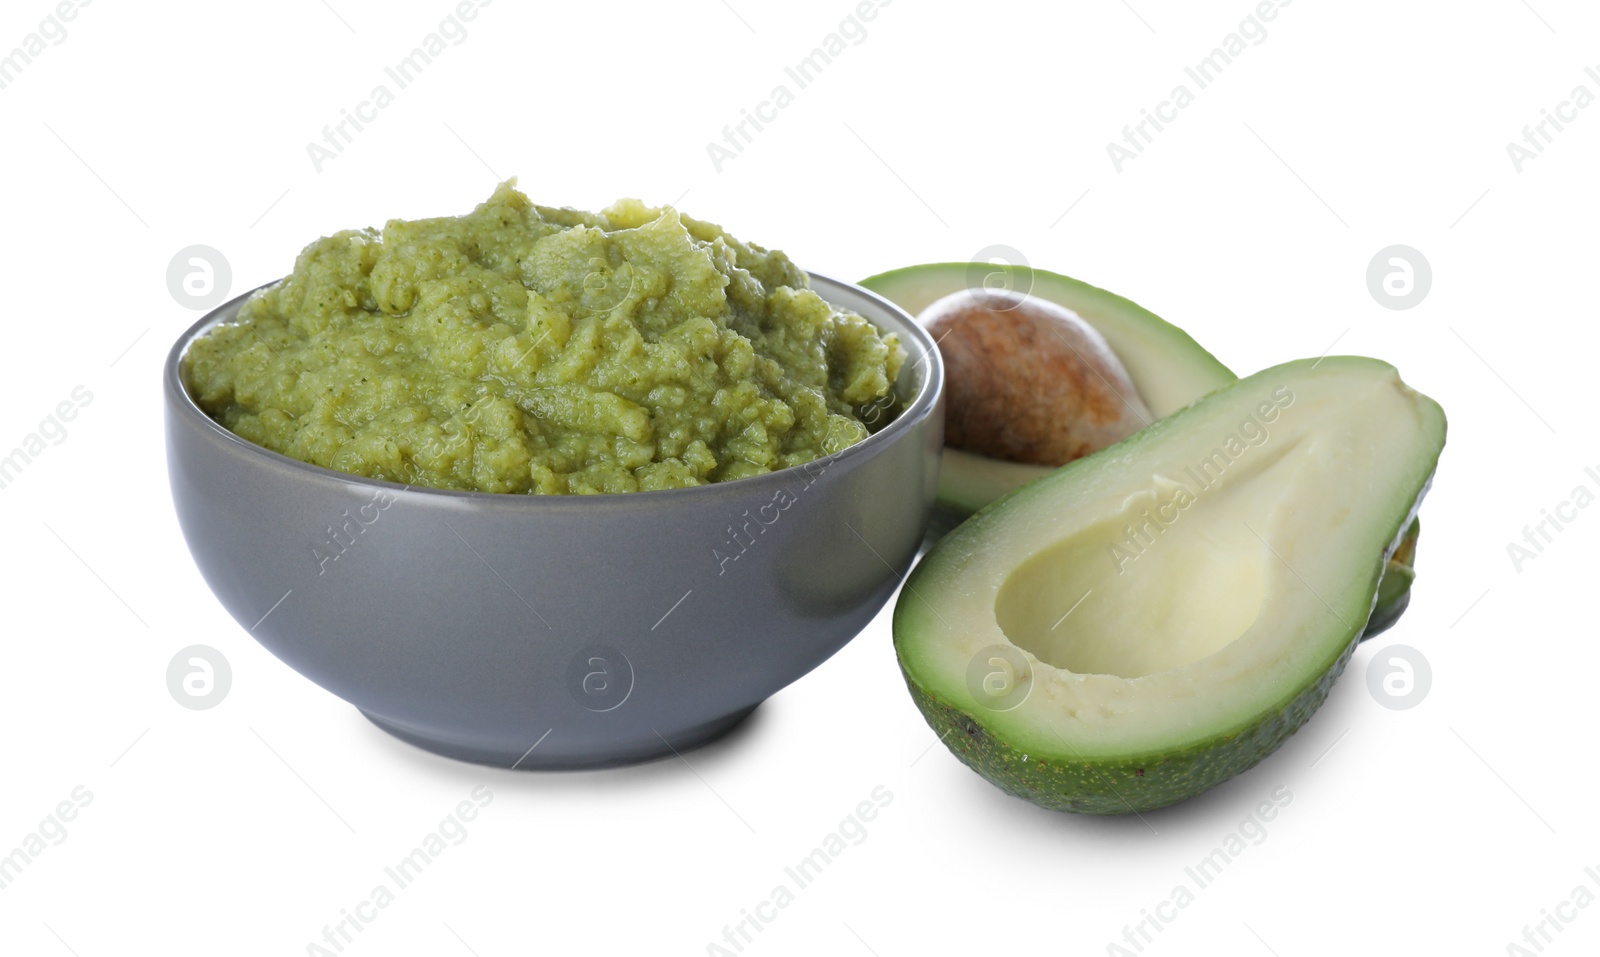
[1028, 380]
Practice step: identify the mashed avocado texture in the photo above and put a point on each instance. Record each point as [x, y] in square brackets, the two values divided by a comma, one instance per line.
[521, 348]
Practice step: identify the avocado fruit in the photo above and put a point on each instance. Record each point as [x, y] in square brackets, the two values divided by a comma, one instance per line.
[1143, 623]
[1168, 368]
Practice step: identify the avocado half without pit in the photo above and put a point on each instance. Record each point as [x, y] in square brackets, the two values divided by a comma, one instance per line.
[1143, 623]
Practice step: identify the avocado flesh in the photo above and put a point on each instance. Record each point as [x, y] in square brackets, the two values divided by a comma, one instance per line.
[1169, 369]
[1164, 662]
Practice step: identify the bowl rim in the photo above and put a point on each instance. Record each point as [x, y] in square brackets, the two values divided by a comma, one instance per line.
[930, 390]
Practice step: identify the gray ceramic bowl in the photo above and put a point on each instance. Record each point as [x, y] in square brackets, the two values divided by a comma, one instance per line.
[558, 632]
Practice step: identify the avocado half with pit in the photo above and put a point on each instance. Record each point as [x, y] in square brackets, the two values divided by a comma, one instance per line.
[1142, 624]
[1168, 368]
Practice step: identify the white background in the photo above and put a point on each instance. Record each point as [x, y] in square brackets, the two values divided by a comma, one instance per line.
[1250, 222]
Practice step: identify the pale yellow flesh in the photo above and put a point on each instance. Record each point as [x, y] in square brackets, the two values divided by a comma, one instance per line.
[970, 481]
[1257, 583]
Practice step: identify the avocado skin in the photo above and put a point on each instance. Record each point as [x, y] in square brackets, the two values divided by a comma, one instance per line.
[1394, 590]
[1128, 785]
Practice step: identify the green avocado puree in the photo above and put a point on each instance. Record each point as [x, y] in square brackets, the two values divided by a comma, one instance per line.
[527, 349]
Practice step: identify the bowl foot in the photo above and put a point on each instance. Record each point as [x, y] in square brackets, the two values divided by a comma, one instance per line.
[551, 754]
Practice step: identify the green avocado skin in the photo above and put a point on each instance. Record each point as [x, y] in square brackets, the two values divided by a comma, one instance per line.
[1394, 590]
[1125, 786]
